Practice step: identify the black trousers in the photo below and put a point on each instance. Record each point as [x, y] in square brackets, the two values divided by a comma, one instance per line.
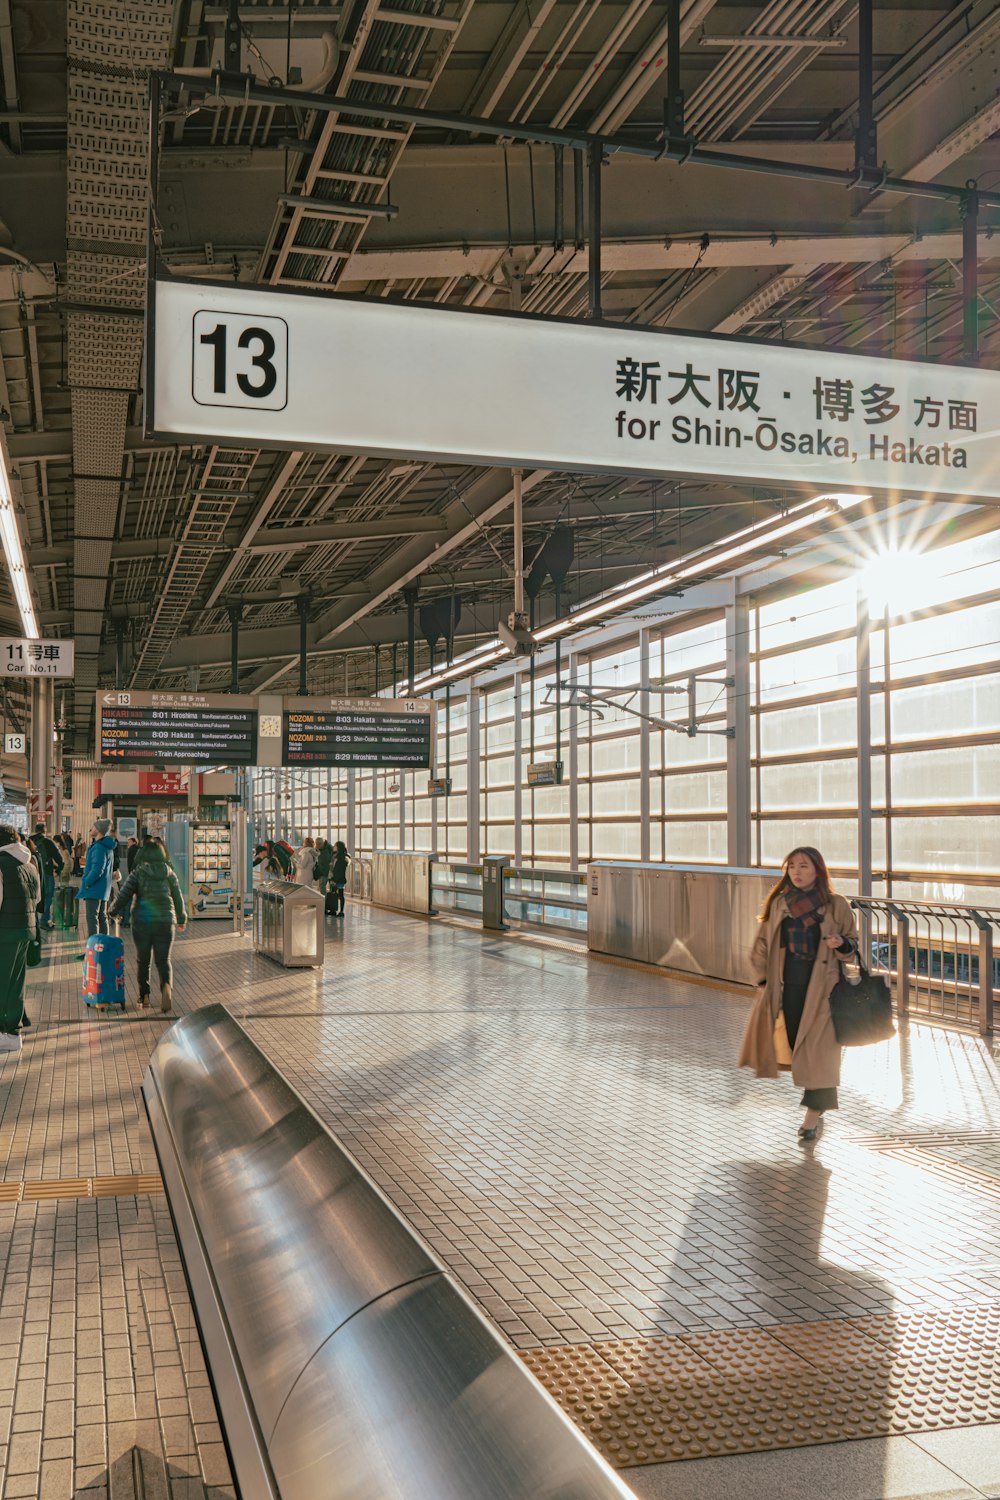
[13, 968]
[154, 939]
[795, 982]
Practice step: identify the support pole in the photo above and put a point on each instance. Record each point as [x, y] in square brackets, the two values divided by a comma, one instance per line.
[970, 274]
[518, 543]
[595, 160]
[864, 723]
[303, 602]
[235, 616]
[578, 199]
[410, 596]
[119, 627]
[738, 822]
[557, 228]
[673, 104]
[866, 144]
[234, 38]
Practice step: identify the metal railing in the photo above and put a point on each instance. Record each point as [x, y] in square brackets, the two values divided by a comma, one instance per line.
[539, 897]
[534, 896]
[359, 878]
[943, 957]
[457, 888]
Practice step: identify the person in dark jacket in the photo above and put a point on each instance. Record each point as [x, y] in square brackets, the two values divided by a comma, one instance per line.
[324, 859]
[49, 858]
[157, 911]
[338, 876]
[95, 887]
[20, 889]
[131, 853]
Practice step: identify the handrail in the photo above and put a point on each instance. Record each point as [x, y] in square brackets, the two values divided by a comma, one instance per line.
[345, 1360]
[920, 929]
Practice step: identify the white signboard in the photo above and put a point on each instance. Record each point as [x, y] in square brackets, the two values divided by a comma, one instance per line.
[15, 744]
[20, 657]
[296, 370]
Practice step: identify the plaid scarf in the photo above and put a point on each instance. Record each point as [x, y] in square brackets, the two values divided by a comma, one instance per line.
[801, 926]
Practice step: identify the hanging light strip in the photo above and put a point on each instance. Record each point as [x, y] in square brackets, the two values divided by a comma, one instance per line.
[10, 533]
[656, 581]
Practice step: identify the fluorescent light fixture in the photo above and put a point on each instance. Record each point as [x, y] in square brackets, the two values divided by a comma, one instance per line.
[10, 534]
[749, 539]
[656, 580]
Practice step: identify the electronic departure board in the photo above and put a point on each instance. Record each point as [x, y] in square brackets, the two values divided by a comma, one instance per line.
[395, 732]
[194, 729]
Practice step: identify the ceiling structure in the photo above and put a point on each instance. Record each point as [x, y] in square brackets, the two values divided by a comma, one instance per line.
[149, 549]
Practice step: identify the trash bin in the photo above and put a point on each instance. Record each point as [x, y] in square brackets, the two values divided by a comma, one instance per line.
[288, 923]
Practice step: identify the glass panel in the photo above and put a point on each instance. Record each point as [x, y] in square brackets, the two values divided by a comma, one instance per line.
[940, 708]
[956, 845]
[616, 755]
[615, 841]
[939, 644]
[609, 797]
[817, 668]
[967, 774]
[818, 784]
[499, 805]
[827, 725]
[695, 843]
[703, 792]
[817, 612]
[835, 838]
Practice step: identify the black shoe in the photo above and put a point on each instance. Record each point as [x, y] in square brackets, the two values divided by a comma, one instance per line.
[809, 1133]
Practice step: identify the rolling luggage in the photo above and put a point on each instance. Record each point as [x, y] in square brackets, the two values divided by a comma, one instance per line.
[104, 971]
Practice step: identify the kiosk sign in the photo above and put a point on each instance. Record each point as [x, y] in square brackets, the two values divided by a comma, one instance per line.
[297, 370]
[395, 732]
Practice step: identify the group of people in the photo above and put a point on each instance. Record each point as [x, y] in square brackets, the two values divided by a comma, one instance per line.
[318, 863]
[45, 876]
[805, 931]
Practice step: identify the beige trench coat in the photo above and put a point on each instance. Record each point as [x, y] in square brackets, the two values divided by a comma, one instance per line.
[816, 1057]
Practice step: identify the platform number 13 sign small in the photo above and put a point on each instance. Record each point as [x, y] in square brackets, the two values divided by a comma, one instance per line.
[239, 361]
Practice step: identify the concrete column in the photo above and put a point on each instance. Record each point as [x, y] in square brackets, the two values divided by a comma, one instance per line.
[352, 811]
[738, 824]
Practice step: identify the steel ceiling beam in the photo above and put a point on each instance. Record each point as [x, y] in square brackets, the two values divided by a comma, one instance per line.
[465, 517]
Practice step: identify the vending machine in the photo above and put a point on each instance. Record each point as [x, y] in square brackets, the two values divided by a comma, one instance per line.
[202, 855]
[211, 881]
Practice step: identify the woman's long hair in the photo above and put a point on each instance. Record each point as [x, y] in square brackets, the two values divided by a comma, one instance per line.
[784, 884]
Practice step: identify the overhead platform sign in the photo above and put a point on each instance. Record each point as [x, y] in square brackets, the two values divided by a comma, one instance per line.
[193, 729]
[396, 732]
[296, 370]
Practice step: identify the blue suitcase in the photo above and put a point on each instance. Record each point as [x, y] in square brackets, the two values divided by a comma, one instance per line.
[104, 971]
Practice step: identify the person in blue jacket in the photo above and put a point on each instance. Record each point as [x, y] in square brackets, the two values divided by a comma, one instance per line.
[95, 887]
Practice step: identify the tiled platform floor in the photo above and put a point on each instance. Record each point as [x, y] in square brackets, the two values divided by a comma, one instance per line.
[571, 1138]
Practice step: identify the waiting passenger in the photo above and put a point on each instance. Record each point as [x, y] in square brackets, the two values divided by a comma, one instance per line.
[158, 905]
[324, 859]
[338, 879]
[95, 887]
[20, 892]
[805, 930]
[304, 863]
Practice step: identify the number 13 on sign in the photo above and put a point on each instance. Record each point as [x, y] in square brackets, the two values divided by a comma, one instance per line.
[238, 361]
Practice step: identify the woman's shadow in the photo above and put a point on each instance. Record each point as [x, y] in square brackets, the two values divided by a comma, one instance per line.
[769, 1359]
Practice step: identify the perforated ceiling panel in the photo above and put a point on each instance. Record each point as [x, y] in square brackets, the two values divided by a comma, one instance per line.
[111, 46]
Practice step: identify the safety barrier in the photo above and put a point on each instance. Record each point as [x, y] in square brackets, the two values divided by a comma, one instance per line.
[944, 957]
[402, 879]
[683, 917]
[345, 1361]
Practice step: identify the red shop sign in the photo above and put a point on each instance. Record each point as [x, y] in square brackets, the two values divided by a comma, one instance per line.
[161, 784]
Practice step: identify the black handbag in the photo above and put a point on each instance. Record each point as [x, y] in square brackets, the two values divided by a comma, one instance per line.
[861, 1010]
[33, 956]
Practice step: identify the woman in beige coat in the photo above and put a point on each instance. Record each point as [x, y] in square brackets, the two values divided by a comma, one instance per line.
[805, 929]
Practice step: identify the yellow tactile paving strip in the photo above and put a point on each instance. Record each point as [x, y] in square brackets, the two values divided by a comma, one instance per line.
[129, 1186]
[644, 1401]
